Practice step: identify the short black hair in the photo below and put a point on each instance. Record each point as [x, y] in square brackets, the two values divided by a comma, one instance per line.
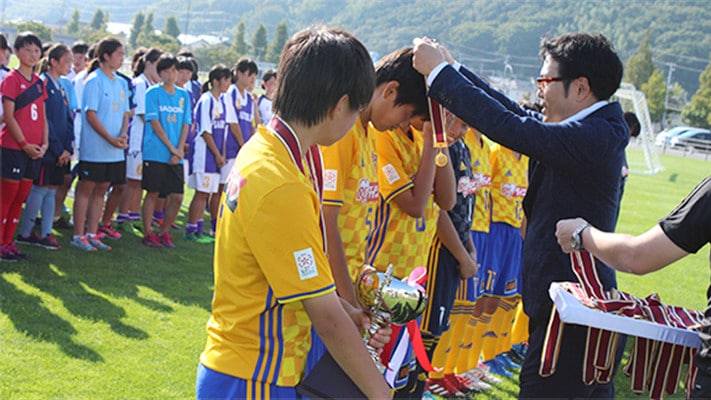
[165, 61]
[245, 64]
[217, 72]
[586, 55]
[317, 67]
[269, 74]
[25, 39]
[397, 66]
[633, 123]
[3, 42]
[185, 63]
[80, 47]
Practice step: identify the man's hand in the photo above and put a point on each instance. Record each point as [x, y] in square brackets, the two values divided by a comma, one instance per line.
[426, 55]
[564, 231]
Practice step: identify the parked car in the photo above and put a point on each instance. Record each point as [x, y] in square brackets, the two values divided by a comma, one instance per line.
[664, 137]
[694, 139]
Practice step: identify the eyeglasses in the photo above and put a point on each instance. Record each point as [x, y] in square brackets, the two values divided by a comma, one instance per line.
[542, 81]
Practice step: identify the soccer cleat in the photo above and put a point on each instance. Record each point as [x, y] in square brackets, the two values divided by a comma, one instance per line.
[18, 254]
[514, 356]
[126, 227]
[151, 240]
[82, 243]
[443, 388]
[472, 380]
[496, 368]
[520, 349]
[63, 223]
[464, 386]
[166, 240]
[504, 360]
[484, 375]
[97, 243]
[109, 231]
[31, 240]
[6, 255]
[192, 236]
[202, 238]
[49, 242]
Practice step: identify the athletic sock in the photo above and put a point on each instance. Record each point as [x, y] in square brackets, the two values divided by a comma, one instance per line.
[519, 331]
[479, 329]
[15, 209]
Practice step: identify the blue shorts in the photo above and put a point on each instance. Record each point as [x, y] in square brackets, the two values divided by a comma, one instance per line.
[17, 165]
[211, 384]
[442, 285]
[471, 289]
[503, 260]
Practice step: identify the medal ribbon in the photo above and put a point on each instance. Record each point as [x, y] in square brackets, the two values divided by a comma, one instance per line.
[313, 160]
[438, 130]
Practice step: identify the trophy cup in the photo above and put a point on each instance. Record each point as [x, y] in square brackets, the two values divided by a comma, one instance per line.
[388, 300]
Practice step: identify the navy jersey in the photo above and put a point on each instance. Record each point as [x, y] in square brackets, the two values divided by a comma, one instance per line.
[462, 212]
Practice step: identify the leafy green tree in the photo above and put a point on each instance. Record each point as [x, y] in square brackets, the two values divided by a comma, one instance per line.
[138, 21]
[73, 26]
[655, 90]
[99, 20]
[281, 35]
[698, 112]
[41, 30]
[259, 42]
[148, 27]
[239, 45]
[171, 26]
[164, 42]
[640, 66]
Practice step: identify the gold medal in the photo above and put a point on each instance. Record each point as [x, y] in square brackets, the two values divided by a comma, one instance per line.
[441, 159]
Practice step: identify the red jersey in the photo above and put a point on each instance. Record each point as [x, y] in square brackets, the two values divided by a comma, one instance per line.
[28, 96]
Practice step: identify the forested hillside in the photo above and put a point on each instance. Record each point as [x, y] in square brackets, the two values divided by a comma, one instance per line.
[482, 33]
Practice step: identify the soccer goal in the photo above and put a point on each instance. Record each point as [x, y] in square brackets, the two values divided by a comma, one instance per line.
[651, 163]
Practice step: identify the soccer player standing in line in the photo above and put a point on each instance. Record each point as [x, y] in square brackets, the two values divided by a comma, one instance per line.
[103, 141]
[23, 139]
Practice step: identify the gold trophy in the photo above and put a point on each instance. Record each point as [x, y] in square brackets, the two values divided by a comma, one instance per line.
[388, 300]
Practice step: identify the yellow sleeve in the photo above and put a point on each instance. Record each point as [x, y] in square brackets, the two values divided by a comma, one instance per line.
[286, 240]
[337, 161]
[392, 177]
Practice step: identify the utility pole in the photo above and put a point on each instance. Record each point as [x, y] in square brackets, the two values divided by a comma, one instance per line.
[666, 94]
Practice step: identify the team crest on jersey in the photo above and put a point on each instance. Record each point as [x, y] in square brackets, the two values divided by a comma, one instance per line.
[305, 263]
[330, 179]
[367, 191]
[123, 96]
[391, 174]
[510, 190]
[181, 104]
[234, 184]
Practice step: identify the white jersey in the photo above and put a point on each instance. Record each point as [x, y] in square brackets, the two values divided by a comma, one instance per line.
[138, 125]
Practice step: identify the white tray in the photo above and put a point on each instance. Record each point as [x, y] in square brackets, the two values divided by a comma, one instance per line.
[573, 312]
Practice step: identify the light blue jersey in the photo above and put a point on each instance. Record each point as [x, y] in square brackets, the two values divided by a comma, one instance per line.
[68, 87]
[173, 112]
[109, 98]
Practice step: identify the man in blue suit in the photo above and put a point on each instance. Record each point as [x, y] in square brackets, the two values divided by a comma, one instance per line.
[576, 147]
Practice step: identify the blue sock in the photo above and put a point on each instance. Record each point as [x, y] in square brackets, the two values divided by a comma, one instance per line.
[200, 226]
[48, 211]
[32, 205]
[213, 224]
[134, 216]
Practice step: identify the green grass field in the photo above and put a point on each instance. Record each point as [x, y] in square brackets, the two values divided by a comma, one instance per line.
[130, 323]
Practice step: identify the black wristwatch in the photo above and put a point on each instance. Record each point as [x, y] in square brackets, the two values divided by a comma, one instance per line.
[576, 239]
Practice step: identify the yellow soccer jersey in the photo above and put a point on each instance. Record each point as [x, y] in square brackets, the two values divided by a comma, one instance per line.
[509, 182]
[400, 239]
[350, 181]
[481, 166]
[268, 257]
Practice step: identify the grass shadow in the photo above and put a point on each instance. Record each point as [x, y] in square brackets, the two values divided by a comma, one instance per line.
[31, 317]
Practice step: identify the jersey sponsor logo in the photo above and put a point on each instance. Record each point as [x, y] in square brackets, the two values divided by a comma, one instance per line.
[305, 263]
[235, 183]
[510, 190]
[481, 181]
[330, 179]
[466, 186]
[391, 174]
[171, 109]
[367, 191]
[219, 124]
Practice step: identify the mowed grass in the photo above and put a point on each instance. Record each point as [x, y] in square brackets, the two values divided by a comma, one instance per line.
[130, 323]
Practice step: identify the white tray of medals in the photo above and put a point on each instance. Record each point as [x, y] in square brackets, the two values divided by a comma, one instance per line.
[581, 310]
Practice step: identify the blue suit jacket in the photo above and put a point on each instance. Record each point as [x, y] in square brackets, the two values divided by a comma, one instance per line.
[574, 171]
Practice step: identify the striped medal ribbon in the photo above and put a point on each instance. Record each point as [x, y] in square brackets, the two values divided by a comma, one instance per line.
[438, 130]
